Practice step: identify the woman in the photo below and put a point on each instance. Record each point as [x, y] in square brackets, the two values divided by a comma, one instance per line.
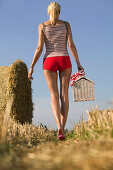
[55, 34]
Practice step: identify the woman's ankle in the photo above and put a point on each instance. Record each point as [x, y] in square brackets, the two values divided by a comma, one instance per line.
[59, 127]
[60, 131]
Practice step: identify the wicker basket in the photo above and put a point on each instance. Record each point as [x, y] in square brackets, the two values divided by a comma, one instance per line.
[83, 90]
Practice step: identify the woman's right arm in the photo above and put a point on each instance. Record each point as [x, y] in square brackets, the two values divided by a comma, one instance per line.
[38, 51]
[72, 47]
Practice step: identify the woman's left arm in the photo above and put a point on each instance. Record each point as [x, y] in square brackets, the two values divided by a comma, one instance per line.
[38, 51]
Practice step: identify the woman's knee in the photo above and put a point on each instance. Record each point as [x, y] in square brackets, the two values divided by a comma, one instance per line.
[64, 97]
[55, 95]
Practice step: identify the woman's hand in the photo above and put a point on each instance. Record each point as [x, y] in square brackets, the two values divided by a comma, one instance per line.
[80, 67]
[30, 73]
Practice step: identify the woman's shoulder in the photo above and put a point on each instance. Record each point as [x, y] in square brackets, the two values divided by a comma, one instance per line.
[40, 27]
[67, 23]
[63, 21]
[45, 22]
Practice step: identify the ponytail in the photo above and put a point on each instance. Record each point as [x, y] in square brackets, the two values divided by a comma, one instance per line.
[53, 11]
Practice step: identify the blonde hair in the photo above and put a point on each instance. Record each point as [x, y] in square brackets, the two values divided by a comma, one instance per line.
[53, 11]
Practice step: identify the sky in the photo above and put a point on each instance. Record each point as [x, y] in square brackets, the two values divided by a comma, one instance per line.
[91, 23]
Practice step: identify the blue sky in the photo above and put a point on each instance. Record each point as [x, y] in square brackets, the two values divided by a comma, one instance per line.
[92, 29]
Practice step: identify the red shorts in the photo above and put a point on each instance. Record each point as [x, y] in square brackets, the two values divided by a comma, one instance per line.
[57, 63]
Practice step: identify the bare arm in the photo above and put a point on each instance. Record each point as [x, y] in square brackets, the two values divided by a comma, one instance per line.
[38, 50]
[72, 47]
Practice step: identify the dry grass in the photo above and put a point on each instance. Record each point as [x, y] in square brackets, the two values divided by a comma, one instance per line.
[4, 74]
[100, 123]
[27, 134]
[88, 146]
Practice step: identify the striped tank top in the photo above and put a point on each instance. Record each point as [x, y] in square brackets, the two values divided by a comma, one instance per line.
[55, 38]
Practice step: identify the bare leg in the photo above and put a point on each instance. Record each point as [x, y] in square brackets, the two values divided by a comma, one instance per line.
[64, 85]
[51, 78]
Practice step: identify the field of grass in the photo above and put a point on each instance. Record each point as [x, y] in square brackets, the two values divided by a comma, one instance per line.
[89, 146]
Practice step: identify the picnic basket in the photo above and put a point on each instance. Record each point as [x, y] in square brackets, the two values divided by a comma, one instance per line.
[82, 87]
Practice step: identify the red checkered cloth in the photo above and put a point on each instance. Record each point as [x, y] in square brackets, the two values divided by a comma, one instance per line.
[77, 76]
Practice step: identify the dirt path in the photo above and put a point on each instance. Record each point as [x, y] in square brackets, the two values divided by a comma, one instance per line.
[64, 155]
[71, 155]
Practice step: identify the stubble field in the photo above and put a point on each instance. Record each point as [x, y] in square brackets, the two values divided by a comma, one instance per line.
[88, 146]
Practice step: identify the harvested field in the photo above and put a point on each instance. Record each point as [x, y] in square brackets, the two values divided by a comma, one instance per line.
[88, 146]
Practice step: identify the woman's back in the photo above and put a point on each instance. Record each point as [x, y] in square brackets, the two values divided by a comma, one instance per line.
[55, 38]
